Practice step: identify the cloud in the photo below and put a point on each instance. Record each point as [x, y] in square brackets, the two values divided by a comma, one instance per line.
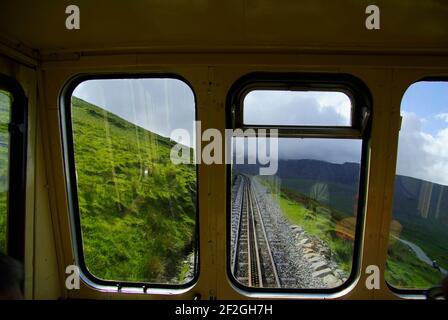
[422, 155]
[297, 108]
[442, 116]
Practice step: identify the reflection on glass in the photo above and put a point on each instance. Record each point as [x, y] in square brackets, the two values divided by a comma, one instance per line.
[297, 108]
[418, 245]
[5, 110]
[137, 209]
[296, 228]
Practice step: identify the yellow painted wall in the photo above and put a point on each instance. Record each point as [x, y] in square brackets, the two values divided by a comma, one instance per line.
[211, 44]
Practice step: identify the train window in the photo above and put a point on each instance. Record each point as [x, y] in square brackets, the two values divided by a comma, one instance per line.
[295, 191]
[135, 210]
[13, 131]
[5, 115]
[418, 243]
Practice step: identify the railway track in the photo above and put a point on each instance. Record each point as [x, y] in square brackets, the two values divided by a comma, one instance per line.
[253, 261]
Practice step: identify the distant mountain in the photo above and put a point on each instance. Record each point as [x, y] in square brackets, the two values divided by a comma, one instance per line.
[413, 197]
[346, 173]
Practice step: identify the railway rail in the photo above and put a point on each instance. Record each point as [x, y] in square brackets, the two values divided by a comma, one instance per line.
[253, 261]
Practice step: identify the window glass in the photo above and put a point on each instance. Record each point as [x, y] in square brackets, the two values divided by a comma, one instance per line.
[418, 244]
[137, 208]
[297, 108]
[293, 225]
[5, 113]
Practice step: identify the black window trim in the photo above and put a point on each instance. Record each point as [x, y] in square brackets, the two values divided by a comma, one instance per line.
[349, 85]
[72, 190]
[16, 203]
[409, 293]
[362, 103]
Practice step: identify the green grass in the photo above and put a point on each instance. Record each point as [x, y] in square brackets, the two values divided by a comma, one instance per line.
[321, 226]
[429, 235]
[403, 268]
[137, 208]
[5, 105]
[184, 271]
[340, 196]
[3, 208]
[405, 271]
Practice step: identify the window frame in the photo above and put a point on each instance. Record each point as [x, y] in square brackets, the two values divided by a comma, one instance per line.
[72, 189]
[362, 105]
[407, 293]
[16, 202]
[354, 88]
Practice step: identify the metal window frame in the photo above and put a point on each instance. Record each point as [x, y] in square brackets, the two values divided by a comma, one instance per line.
[362, 105]
[72, 190]
[353, 87]
[16, 201]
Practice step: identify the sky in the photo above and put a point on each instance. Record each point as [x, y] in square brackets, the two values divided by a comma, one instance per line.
[316, 108]
[423, 142]
[158, 105]
[162, 105]
[312, 108]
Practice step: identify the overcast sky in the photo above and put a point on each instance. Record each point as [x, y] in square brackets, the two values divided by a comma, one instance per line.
[282, 107]
[312, 108]
[159, 105]
[162, 105]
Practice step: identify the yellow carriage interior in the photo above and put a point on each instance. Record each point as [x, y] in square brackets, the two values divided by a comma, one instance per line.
[87, 184]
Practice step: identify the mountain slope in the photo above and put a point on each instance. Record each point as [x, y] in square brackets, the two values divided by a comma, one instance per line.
[137, 208]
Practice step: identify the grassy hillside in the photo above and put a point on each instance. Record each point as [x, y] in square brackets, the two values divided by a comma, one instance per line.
[340, 196]
[336, 229]
[4, 141]
[429, 235]
[404, 270]
[137, 208]
[324, 226]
